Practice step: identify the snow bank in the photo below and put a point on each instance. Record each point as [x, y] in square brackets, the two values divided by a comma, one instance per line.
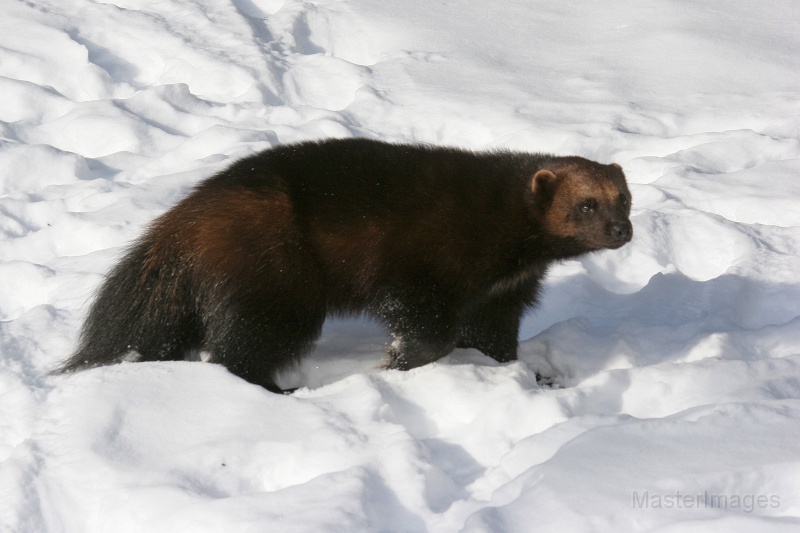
[676, 400]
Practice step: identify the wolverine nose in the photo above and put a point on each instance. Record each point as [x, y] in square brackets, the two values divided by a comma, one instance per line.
[622, 231]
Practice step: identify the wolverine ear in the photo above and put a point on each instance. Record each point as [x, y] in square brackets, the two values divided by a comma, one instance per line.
[542, 182]
[616, 165]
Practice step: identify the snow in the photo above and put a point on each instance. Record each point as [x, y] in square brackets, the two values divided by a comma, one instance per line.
[676, 400]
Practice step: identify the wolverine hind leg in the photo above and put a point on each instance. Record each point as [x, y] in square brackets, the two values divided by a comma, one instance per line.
[265, 319]
[256, 344]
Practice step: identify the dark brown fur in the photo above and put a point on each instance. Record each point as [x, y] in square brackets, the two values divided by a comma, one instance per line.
[446, 247]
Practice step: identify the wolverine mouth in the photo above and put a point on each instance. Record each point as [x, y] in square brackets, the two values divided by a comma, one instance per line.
[610, 243]
[616, 244]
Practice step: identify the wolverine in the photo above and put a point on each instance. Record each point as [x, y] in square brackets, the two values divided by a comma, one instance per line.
[446, 247]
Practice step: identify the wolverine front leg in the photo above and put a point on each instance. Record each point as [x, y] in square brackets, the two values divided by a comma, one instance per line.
[407, 352]
[494, 334]
[424, 331]
[492, 325]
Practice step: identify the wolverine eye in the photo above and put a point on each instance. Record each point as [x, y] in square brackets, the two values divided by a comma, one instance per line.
[588, 206]
[624, 200]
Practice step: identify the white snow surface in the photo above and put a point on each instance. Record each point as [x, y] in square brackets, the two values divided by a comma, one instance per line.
[676, 399]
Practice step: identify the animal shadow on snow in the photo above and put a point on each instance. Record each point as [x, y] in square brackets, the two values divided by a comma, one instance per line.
[671, 319]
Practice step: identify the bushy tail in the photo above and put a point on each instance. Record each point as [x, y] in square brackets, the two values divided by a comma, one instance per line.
[144, 306]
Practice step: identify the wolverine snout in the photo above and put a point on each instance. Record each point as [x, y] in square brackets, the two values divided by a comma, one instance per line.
[619, 233]
[622, 231]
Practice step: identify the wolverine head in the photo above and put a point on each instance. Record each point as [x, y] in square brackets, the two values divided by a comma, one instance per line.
[586, 202]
